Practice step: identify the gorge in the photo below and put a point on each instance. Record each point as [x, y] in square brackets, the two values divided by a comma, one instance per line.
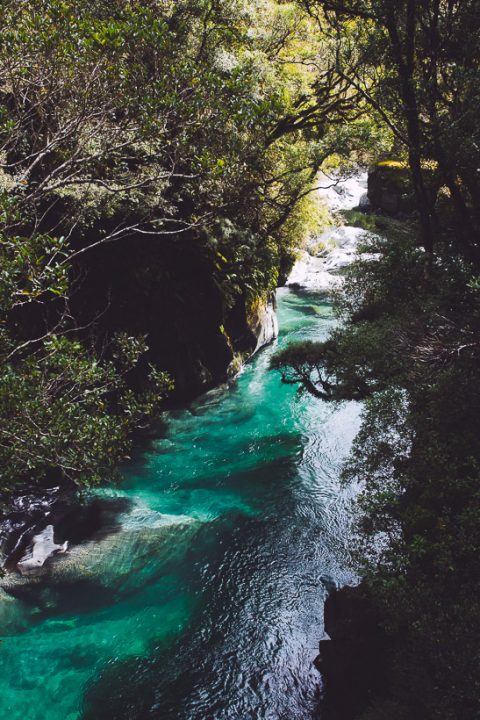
[204, 582]
[235, 419]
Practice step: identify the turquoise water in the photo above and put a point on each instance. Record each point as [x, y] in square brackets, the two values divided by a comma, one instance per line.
[202, 595]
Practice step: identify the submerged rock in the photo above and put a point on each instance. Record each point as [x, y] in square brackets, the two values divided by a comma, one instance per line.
[27, 513]
[43, 547]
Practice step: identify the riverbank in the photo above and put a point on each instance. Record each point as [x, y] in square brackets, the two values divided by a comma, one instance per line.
[27, 513]
[216, 551]
[223, 538]
[57, 502]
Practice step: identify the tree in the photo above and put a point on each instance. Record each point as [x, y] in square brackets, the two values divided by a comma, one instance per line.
[419, 68]
[127, 125]
[411, 343]
[411, 352]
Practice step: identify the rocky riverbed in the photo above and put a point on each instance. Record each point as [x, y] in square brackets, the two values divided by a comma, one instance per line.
[321, 263]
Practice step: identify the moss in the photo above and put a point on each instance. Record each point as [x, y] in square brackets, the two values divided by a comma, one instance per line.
[319, 249]
[253, 307]
[358, 219]
[377, 224]
[429, 165]
[395, 174]
[236, 365]
[392, 165]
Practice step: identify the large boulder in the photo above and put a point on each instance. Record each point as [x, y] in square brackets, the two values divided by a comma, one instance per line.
[390, 188]
[353, 661]
[42, 548]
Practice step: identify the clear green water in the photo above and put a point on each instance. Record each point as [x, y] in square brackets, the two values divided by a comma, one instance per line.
[203, 596]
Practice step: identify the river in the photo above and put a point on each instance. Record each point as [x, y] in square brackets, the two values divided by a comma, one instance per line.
[202, 595]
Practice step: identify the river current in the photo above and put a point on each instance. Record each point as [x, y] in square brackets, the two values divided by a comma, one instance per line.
[201, 597]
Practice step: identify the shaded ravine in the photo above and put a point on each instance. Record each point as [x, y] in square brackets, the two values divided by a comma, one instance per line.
[206, 599]
[202, 596]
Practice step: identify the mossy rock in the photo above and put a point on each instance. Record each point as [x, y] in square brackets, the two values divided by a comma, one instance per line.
[390, 186]
[392, 165]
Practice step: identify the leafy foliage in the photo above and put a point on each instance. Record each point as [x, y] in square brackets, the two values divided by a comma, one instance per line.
[68, 416]
[122, 122]
[166, 117]
[417, 65]
[413, 347]
[411, 335]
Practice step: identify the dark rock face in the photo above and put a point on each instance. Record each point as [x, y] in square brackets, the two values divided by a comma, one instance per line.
[390, 189]
[74, 520]
[354, 661]
[28, 513]
[165, 289]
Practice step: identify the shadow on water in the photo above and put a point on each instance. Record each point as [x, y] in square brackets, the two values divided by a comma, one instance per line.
[194, 589]
[221, 666]
[245, 653]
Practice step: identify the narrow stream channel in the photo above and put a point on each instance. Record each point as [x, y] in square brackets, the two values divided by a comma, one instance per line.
[203, 599]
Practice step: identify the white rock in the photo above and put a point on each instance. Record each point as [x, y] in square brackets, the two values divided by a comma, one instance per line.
[322, 274]
[310, 273]
[267, 325]
[42, 547]
[346, 194]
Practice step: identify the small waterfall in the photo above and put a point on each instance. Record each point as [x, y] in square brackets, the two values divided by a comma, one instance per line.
[319, 267]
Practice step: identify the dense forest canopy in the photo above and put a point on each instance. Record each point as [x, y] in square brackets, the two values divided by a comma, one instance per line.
[208, 123]
[147, 122]
[426, 91]
[126, 121]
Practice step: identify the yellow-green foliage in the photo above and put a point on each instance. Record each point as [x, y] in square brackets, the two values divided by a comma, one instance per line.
[391, 165]
[309, 218]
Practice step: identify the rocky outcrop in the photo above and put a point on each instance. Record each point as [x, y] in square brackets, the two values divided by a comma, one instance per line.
[167, 291]
[250, 326]
[354, 660]
[74, 519]
[390, 187]
[27, 514]
[42, 548]
[264, 323]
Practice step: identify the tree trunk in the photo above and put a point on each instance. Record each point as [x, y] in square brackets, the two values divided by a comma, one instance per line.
[404, 56]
